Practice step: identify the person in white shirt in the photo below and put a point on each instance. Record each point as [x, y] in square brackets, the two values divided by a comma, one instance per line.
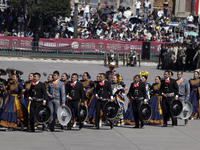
[160, 13]
[57, 35]
[186, 34]
[127, 13]
[29, 33]
[20, 34]
[190, 19]
[46, 34]
[120, 14]
[147, 6]
[137, 6]
[148, 35]
[87, 11]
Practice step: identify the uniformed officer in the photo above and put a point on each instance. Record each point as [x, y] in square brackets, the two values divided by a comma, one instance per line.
[197, 56]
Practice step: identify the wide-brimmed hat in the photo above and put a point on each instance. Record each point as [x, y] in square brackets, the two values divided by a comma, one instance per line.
[2, 72]
[112, 64]
[14, 69]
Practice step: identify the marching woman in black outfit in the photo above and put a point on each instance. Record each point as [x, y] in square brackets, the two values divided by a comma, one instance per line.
[92, 103]
[169, 91]
[155, 102]
[103, 92]
[137, 92]
[49, 79]
[11, 112]
[25, 101]
[88, 85]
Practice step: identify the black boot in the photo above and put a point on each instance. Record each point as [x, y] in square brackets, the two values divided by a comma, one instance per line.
[69, 127]
[111, 124]
[80, 125]
[52, 127]
[165, 124]
[186, 121]
[22, 126]
[142, 124]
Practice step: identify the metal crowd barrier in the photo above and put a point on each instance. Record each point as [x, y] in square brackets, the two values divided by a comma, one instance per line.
[35, 50]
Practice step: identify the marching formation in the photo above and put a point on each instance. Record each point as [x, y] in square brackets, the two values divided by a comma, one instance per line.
[179, 56]
[67, 102]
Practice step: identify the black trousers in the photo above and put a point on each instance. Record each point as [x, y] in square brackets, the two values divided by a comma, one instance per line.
[179, 64]
[73, 105]
[162, 60]
[99, 105]
[166, 109]
[189, 64]
[34, 105]
[136, 106]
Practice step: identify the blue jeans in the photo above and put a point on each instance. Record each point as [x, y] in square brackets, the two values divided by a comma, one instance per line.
[137, 12]
[86, 14]
[146, 10]
[165, 12]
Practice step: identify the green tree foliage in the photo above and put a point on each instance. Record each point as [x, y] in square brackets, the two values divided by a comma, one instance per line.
[37, 10]
[43, 8]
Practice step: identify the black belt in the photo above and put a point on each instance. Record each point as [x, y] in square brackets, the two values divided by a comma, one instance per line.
[38, 99]
[139, 98]
[181, 95]
[170, 94]
[103, 99]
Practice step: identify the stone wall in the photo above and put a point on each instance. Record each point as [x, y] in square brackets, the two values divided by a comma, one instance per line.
[159, 4]
[183, 8]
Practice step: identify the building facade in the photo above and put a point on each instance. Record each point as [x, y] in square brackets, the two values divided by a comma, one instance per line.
[180, 8]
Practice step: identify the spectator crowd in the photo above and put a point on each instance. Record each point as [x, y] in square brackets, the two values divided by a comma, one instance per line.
[106, 23]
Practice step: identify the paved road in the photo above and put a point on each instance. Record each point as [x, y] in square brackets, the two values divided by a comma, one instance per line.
[150, 138]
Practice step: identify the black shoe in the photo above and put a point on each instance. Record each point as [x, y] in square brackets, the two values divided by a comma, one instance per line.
[69, 127]
[111, 125]
[174, 121]
[9, 129]
[164, 125]
[43, 127]
[28, 129]
[51, 129]
[80, 125]
[62, 127]
[32, 130]
[136, 127]
[97, 127]
[142, 124]
[186, 121]
[174, 124]
[22, 126]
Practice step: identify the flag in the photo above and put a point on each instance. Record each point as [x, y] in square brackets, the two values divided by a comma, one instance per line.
[197, 7]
